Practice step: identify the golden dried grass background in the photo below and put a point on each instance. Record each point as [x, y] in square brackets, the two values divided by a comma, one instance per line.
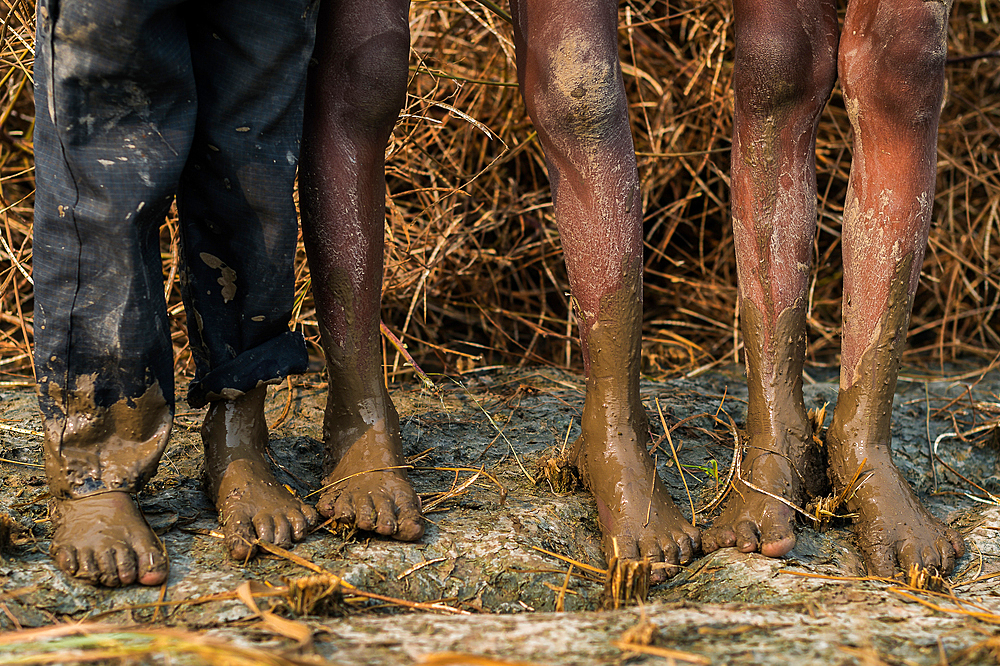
[474, 271]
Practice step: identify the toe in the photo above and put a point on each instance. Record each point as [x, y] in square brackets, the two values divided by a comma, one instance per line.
[125, 564]
[87, 567]
[152, 567]
[310, 518]
[282, 531]
[687, 546]
[65, 557]
[410, 525]
[930, 557]
[947, 554]
[264, 526]
[344, 510]
[386, 522]
[746, 537]
[957, 543]
[776, 540]
[365, 515]
[240, 535]
[301, 521]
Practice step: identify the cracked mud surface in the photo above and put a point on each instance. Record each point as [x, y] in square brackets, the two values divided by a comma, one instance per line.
[479, 553]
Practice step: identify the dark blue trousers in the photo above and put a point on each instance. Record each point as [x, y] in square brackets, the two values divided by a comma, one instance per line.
[139, 102]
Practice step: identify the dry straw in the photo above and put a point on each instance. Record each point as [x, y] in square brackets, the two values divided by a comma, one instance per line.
[474, 272]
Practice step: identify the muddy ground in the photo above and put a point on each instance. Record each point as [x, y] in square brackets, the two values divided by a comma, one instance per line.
[480, 554]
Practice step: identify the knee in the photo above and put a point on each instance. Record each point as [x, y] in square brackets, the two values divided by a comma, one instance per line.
[783, 65]
[895, 67]
[372, 81]
[574, 91]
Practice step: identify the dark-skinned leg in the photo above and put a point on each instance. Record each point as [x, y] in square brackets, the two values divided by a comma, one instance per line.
[357, 86]
[784, 71]
[567, 59]
[892, 70]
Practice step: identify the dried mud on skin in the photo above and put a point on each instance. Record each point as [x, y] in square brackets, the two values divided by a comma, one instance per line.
[480, 551]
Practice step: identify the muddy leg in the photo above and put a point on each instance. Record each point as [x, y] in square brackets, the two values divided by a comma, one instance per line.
[251, 503]
[784, 71]
[892, 69]
[570, 77]
[356, 89]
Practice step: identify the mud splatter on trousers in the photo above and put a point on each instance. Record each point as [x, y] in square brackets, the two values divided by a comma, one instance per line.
[137, 103]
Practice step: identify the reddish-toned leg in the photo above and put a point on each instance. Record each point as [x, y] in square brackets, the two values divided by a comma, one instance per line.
[892, 70]
[785, 69]
[567, 58]
[357, 86]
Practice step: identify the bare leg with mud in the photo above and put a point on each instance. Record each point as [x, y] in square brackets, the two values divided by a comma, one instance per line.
[251, 503]
[356, 89]
[570, 77]
[892, 69]
[784, 72]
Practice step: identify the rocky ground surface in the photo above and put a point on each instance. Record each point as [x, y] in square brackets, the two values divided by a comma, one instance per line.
[509, 562]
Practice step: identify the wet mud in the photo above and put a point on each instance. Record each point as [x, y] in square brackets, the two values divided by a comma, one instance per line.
[488, 551]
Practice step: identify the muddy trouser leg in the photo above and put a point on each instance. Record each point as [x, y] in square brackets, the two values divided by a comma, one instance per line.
[238, 220]
[115, 114]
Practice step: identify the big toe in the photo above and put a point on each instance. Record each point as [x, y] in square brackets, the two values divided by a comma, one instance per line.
[409, 520]
[239, 538]
[776, 540]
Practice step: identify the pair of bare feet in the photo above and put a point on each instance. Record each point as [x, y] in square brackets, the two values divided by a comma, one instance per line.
[105, 540]
[893, 529]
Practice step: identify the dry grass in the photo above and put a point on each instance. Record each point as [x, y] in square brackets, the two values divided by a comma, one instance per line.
[474, 270]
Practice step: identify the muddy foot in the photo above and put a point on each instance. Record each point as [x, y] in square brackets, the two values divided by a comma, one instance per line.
[638, 517]
[894, 530]
[251, 503]
[752, 521]
[367, 488]
[103, 539]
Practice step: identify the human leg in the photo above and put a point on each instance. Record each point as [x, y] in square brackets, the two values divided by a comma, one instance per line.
[114, 118]
[238, 232]
[357, 87]
[784, 70]
[570, 77]
[892, 71]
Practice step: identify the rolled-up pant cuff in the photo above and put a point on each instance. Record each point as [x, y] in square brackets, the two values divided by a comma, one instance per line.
[267, 363]
[92, 449]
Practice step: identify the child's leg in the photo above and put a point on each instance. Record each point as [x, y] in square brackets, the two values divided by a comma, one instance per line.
[570, 76]
[115, 116]
[356, 89]
[892, 70]
[784, 71]
[238, 227]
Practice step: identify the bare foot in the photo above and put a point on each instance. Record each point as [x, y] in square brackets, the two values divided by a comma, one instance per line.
[103, 539]
[251, 503]
[780, 457]
[753, 521]
[638, 517]
[368, 487]
[893, 529]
